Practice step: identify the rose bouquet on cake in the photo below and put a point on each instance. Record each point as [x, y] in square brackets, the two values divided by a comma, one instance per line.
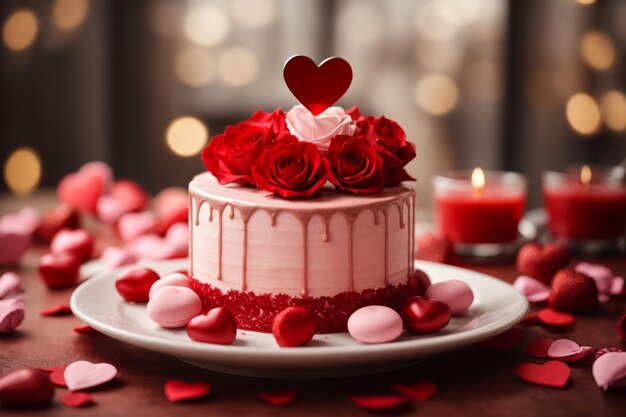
[294, 154]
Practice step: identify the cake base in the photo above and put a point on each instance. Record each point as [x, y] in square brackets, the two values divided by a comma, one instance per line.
[256, 311]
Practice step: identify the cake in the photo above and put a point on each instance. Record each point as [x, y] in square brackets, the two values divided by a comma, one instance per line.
[303, 208]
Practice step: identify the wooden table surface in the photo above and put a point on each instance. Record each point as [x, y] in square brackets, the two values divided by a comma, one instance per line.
[470, 381]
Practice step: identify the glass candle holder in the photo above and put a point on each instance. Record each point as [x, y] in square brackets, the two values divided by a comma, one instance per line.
[586, 207]
[479, 212]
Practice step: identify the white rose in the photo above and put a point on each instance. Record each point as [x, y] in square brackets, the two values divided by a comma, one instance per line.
[319, 129]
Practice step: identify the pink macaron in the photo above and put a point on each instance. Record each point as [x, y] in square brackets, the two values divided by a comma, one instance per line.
[175, 279]
[456, 294]
[375, 324]
[172, 307]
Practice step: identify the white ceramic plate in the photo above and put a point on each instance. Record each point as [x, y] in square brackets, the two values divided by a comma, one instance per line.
[497, 307]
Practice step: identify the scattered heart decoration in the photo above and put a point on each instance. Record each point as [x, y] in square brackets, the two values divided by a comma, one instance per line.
[85, 329]
[176, 390]
[534, 290]
[609, 370]
[26, 388]
[77, 242]
[540, 262]
[134, 284]
[57, 310]
[550, 317]
[278, 398]
[10, 284]
[317, 87]
[114, 257]
[380, 403]
[57, 377]
[434, 247]
[550, 374]
[218, 326]
[13, 245]
[422, 316]
[83, 374]
[61, 217]
[11, 314]
[573, 292]
[569, 351]
[419, 391]
[81, 190]
[133, 225]
[60, 270]
[77, 399]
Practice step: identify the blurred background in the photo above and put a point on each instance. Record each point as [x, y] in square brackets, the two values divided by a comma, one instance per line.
[515, 85]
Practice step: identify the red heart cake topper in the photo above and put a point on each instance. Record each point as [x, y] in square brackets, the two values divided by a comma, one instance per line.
[317, 88]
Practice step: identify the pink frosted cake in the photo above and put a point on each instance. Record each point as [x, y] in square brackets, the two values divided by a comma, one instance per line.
[304, 208]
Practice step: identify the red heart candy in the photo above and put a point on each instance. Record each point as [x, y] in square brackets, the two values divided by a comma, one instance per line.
[551, 374]
[134, 284]
[539, 348]
[57, 310]
[554, 318]
[503, 341]
[77, 242]
[420, 391]
[81, 190]
[217, 326]
[279, 398]
[317, 88]
[380, 403]
[130, 196]
[421, 315]
[434, 247]
[25, 388]
[294, 326]
[76, 399]
[60, 270]
[542, 263]
[422, 282]
[573, 292]
[61, 217]
[176, 390]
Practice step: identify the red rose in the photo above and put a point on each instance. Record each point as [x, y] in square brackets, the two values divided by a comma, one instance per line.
[356, 165]
[291, 168]
[231, 155]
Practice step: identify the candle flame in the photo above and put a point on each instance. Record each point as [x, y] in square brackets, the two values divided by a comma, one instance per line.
[585, 175]
[478, 179]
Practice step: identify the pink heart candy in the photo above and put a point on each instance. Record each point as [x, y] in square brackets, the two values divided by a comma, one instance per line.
[455, 293]
[98, 169]
[534, 290]
[11, 314]
[172, 307]
[177, 237]
[569, 351]
[175, 279]
[170, 200]
[23, 222]
[602, 275]
[12, 246]
[618, 286]
[114, 257]
[609, 370]
[82, 374]
[151, 247]
[109, 210]
[9, 284]
[133, 225]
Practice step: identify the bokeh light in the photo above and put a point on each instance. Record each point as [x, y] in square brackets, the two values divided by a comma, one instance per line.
[585, 2]
[436, 20]
[360, 23]
[69, 14]
[254, 13]
[206, 25]
[195, 67]
[20, 30]
[437, 94]
[186, 136]
[22, 171]
[583, 114]
[237, 67]
[597, 50]
[483, 80]
[613, 107]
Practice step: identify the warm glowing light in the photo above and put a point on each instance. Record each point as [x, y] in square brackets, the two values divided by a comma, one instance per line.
[254, 13]
[585, 175]
[437, 21]
[360, 23]
[436, 94]
[195, 67]
[20, 30]
[585, 2]
[237, 67]
[186, 136]
[613, 106]
[69, 14]
[583, 114]
[22, 171]
[478, 179]
[597, 50]
[206, 25]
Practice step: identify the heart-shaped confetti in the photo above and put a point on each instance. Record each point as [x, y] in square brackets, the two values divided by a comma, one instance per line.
[13, 245]
[317, 88]
[11, 314]
[569, 351]
[573, 292]
[503, 341]
[60, 217]
[422, 316]
[114, 257]
[609, 370]
[85, 329]
[24, 222]
[175, 244]
[132, 225]
[98, 169]
[420, 391]
[25, 388]
[606, 282]
[217, 326]
[109, 210]
[550, 374]
[10, 284]
[57, 377]
[57, 310]
[539, 348]
[134, 284]
[129, 195]
[542, 263]
[60, 270]
[76, 399]
[176, 390]
[81, 190]
[380, 403]
[82, 374]
[550, 317]
[534, 290]
[604, 351]
[77, 242]
[279, 398]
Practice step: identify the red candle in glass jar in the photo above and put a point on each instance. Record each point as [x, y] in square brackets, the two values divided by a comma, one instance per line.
[485, 207]
[585, 204]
